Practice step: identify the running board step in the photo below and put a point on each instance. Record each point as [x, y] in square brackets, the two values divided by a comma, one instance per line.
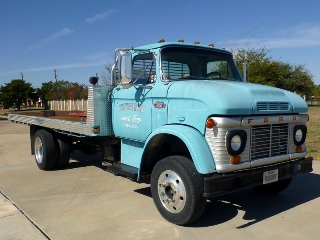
[125, 170]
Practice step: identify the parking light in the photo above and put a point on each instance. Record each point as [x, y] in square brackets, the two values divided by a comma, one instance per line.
[210, 123]
[298, 149]
[235, 159]
[95, 130]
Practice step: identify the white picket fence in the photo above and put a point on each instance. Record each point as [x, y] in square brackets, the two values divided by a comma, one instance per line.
[68, 105]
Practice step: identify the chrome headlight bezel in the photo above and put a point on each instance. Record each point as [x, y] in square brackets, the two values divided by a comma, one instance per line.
[299, 134]
[236, 142]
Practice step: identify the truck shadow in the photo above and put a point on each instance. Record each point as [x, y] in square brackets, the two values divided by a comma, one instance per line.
[79, 159]
[256, 207]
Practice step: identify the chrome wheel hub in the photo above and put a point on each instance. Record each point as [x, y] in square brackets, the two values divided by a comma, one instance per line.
[38, 150]
[172, 192]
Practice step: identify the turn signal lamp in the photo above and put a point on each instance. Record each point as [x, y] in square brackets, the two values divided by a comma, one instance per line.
[161, 41]
[95, 130]
[210, 123]
[298, 149]
[181, 40]
[211, 45]
[235, 159]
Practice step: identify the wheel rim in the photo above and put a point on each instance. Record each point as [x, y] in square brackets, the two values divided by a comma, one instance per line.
[172, 192]
[38, 150]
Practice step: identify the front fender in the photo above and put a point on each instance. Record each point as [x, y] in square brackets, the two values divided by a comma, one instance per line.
[195, 142]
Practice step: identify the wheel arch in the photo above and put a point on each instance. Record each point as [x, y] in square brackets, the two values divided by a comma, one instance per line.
[188, 141]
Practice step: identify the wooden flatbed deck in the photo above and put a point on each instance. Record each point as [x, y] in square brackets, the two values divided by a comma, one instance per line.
[61, 115]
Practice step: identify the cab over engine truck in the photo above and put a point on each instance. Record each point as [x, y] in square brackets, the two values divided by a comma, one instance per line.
[182, 114]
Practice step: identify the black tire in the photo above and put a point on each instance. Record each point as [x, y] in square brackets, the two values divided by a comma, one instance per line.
[177, 190]
[63, 143]
[273, 188]
[45, 150]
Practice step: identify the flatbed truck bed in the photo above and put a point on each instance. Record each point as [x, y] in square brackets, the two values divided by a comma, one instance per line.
[71, 116]
[66, 122]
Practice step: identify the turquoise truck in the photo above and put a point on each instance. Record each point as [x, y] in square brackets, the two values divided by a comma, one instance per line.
[182, 116]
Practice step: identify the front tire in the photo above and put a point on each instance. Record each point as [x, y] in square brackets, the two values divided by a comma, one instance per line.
[177, 190]
[45, 150]
[273, 188]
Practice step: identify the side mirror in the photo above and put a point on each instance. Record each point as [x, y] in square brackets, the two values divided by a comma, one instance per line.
[126, 70]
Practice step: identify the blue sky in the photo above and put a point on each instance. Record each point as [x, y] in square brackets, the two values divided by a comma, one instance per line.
[78, 37]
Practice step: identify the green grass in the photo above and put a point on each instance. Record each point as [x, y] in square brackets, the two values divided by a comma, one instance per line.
[313, 136]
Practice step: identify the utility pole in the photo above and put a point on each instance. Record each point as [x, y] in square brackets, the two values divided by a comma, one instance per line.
[22, 75]
[55, 75]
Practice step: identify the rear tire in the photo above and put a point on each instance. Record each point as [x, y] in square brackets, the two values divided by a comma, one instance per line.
[273, 188]
[177, 190]
[45, 150]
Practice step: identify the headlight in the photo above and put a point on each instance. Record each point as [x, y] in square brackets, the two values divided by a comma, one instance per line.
[236, 142]
[299, 134]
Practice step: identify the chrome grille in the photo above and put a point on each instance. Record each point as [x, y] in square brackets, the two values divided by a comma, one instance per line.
[272, 106]
[269, 140]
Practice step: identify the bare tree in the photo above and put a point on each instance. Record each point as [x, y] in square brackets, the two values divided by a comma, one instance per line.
[106, 75]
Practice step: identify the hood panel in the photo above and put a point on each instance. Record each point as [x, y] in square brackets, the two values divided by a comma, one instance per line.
[191, 102]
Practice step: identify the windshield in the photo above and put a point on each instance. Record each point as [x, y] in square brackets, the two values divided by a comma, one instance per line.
[178, 63]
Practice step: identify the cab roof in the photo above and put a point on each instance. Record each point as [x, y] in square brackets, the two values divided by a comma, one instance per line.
[165, 44]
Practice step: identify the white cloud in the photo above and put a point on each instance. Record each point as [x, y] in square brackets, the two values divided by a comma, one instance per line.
[97, 56]
[99, 16]
[63, 32]
[50, 68]
[302, 35]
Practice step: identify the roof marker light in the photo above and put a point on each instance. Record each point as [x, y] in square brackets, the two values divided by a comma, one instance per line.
[161, 40]
[211, 45]
[181, 40]
[196, 42]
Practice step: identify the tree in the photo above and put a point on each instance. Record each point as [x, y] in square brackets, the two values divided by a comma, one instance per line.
[16, 92]
[61, 90]
[77, 91]
[262, 69]
[106, 75]
[316, 91]
[255, 59]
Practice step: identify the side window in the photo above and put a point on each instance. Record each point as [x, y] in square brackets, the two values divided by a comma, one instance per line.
[144, 69]
[221, 68]
[174, 70]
